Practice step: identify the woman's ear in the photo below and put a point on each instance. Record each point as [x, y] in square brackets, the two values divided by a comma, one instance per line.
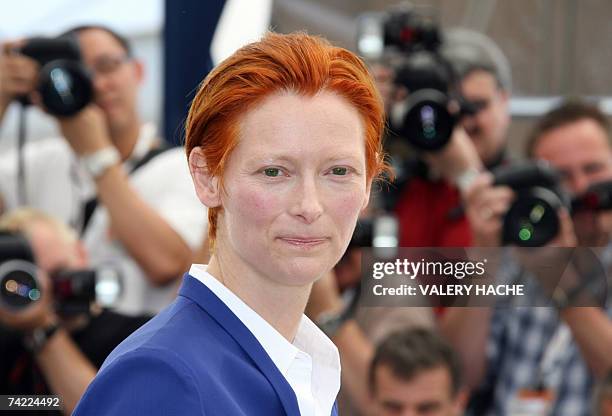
[206, 185]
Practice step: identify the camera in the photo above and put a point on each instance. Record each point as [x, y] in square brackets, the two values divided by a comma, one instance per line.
[73, 290]
[598, 197]
[64, 83]
[532, 219]
[414, 40]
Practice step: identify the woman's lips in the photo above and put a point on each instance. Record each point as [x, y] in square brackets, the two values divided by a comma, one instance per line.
[305, 242]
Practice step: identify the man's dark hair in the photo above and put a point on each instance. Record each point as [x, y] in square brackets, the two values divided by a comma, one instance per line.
[568, 112]
[125, 44]
[409, 352]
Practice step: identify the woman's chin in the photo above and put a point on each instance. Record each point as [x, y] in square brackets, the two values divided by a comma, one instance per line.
[303, 272]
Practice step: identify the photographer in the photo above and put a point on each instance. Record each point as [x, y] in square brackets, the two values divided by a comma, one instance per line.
[554, 352]
[427, 188]
[44, 352]
[108, 177]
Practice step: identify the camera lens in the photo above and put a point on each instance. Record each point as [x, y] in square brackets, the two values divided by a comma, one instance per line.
[18, 284]
[532, 219]
[427, 124]
[65, 87]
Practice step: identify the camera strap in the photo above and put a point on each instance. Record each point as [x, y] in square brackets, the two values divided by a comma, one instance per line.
[22, 194]
[91, 204]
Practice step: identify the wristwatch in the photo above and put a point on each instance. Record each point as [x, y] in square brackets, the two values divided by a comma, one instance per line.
[98, 162]
[466, 178]
[38, 338]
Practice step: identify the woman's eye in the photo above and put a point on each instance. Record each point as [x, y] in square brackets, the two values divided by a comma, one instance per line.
[340, 171]
[272, 172]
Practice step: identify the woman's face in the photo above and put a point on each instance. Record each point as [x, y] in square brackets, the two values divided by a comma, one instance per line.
[295, 184]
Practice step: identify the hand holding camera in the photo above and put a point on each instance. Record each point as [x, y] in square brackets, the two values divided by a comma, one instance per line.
[51, 67]
[458, 157]
[50, 72]
[485, 207]
[18, 73]
[524, 205]
[520, 205]
[30, 298]
[86, 132]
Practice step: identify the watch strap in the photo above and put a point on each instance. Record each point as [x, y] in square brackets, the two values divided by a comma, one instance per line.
[100, 161]
[38, 338]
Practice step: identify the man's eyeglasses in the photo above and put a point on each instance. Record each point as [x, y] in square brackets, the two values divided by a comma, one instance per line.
[473, 107]
[107, 65]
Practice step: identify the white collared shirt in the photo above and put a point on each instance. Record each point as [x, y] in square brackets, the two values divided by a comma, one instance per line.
[311, 365]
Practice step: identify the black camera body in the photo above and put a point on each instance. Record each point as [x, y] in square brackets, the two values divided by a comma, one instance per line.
[423, 118]
[73, 290]
[598, 197]
[64, 83]
[532, 220]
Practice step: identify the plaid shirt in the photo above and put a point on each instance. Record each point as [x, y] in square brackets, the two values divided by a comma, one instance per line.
[518, 341]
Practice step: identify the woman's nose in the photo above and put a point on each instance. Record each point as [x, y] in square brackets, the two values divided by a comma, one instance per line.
[307, 203]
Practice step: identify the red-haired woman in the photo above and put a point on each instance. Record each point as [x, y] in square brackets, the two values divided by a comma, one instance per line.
[283, 140]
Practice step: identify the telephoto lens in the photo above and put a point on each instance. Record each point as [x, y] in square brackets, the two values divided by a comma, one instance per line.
[426, 121]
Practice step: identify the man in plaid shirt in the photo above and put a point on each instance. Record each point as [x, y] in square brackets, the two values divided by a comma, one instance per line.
[518, 343]
[555, 354]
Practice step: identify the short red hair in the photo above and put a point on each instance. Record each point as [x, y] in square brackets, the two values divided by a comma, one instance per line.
[294, 62]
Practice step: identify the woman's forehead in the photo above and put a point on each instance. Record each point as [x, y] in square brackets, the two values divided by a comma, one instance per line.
[287, 123]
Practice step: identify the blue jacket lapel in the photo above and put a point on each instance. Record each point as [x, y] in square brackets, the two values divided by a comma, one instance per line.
[196, 291]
